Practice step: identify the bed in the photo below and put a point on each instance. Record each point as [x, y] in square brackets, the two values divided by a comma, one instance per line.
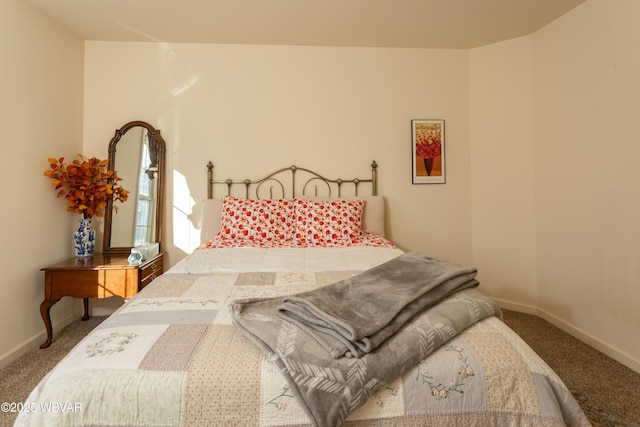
[296, 311]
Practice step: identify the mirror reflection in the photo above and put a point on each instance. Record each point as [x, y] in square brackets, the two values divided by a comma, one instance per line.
[137, 153]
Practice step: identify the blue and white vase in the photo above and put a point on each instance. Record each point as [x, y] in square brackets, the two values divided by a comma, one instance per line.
[85, 239]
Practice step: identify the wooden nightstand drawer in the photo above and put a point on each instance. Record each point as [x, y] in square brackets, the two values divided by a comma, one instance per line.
[150, 271]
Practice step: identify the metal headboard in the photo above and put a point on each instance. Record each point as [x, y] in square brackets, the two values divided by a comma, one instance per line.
[308, 179]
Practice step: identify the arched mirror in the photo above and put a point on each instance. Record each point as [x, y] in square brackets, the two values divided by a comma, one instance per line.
[137, 153]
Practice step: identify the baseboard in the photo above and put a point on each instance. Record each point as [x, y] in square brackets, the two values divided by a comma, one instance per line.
[514, 306]
[611, 351]
[36, 340]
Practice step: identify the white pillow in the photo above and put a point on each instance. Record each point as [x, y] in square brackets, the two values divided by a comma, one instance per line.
[372, 214]
[211, 219]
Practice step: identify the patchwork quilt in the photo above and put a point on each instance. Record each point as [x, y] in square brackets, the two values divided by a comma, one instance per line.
[171, 356]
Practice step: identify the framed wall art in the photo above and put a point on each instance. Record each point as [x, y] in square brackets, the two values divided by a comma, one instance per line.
[427, 148]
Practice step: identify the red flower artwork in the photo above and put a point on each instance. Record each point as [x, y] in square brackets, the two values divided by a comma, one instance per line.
[429, 141]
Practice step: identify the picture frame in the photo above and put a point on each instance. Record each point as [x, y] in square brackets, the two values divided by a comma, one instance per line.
[428, 151]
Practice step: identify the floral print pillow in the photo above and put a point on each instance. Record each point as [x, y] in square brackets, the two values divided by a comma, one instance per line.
[256, 219]
[328, 223]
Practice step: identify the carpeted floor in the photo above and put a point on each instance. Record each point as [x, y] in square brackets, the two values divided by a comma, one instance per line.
[21, 376]
[607, 391]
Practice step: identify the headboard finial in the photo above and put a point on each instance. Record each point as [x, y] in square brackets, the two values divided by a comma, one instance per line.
[374, 178]
[210, 178]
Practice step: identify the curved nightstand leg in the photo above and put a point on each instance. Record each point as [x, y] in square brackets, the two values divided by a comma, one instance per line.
[85, 302]
[46, 318]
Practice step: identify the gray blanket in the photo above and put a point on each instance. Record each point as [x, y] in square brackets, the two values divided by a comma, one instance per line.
[354, 316]
[329, 388]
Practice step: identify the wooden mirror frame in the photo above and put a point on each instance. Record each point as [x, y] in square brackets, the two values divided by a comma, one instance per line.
[161, 148]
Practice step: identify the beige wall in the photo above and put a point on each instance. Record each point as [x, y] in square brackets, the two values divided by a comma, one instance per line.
[554, 167]
[502, 178]
[40, 117]
[252, 109]
[586, 92]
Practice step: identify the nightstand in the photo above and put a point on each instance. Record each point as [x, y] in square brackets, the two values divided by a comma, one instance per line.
[99, 276]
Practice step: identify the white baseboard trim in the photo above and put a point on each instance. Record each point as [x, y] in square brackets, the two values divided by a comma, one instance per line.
[36, 340]
[608, 349]
[514, 306]
[603, 347]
